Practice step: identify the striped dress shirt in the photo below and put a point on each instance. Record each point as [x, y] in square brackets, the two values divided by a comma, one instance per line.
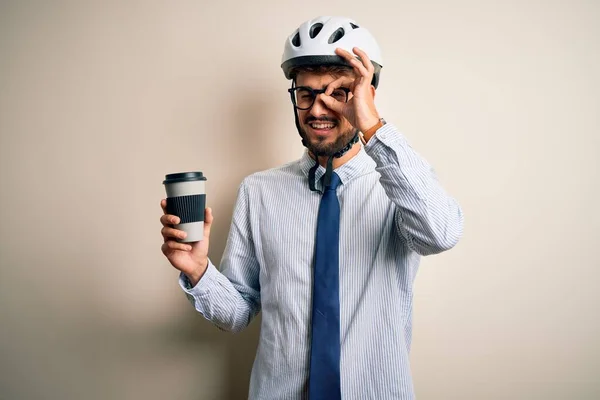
[393, 211]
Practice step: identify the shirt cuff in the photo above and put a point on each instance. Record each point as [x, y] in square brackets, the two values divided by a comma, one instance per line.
[386, 136]
[206, 282]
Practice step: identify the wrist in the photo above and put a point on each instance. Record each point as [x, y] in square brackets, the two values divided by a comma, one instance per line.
[193, 279]
[368, 133]
[369, 122]
[195, 276]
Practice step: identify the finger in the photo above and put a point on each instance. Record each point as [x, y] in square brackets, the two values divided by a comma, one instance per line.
[169, 220]
[208, 220]
[365, 59]
[344, 81]
[353, 86]
[170, 246]
[332, 103]
[172, 233]
[344, 54]
[358, 66]
[163, 205]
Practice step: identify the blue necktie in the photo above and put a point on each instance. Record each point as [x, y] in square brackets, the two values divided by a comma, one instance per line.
[324, 376]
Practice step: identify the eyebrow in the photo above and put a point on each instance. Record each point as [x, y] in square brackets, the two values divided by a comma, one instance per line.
[322, 87]
[310, 87]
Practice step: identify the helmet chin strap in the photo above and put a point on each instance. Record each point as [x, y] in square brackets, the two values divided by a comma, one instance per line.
[329, 169]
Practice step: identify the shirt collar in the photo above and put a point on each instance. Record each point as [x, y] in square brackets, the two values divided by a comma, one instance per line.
[358, 165]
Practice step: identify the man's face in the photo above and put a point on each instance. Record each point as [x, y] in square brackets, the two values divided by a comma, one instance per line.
[324, 131]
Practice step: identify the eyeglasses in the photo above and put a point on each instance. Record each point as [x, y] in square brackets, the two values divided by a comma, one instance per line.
[303, 97]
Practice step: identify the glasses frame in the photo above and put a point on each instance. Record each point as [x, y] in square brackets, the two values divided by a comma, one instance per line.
[314, 93]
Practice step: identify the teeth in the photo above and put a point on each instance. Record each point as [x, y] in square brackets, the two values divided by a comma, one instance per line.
[322, 126]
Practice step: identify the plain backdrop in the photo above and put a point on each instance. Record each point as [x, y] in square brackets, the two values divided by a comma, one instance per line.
[99, 100]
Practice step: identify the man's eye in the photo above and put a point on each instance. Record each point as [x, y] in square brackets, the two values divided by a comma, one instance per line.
[339, 94]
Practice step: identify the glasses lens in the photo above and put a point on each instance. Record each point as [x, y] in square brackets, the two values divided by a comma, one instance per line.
[304, 98]
[340, 95]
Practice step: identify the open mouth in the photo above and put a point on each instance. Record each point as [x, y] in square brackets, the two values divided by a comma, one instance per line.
[322, 127]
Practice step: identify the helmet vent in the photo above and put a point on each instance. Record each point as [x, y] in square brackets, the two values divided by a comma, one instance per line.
[335, 36]
[296, 39]
[315, 29]
[354, 26]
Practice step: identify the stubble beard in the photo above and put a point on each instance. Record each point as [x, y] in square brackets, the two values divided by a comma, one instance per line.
[322, 148]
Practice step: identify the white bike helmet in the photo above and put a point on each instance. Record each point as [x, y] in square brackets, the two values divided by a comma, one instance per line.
[315, 41]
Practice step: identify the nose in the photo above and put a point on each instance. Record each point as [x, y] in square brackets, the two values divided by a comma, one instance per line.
[318, 109]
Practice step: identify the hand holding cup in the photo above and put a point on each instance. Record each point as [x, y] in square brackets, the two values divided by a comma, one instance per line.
[189, 258]
[186, 224]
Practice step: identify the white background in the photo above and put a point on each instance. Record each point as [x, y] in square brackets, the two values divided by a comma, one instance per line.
[99, 100]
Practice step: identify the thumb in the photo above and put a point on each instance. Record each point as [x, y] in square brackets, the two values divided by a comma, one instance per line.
[332, 103]
[208, 220]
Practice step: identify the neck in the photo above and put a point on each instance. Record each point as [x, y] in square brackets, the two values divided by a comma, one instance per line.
[338, 162]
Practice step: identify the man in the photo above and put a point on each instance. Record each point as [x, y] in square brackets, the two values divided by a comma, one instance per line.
[328, 246]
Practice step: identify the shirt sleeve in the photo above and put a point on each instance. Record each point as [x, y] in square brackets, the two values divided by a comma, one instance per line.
[428, 218]
[230, 298]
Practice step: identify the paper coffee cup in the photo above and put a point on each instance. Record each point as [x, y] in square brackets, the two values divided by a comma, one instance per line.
[186, 198]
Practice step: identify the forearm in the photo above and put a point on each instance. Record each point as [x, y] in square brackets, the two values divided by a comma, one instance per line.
[228, 307]
[426, 216]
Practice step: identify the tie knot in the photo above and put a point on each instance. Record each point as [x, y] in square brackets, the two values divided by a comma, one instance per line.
[335, 182]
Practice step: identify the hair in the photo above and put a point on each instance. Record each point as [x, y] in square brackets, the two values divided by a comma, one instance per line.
[333, 70]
